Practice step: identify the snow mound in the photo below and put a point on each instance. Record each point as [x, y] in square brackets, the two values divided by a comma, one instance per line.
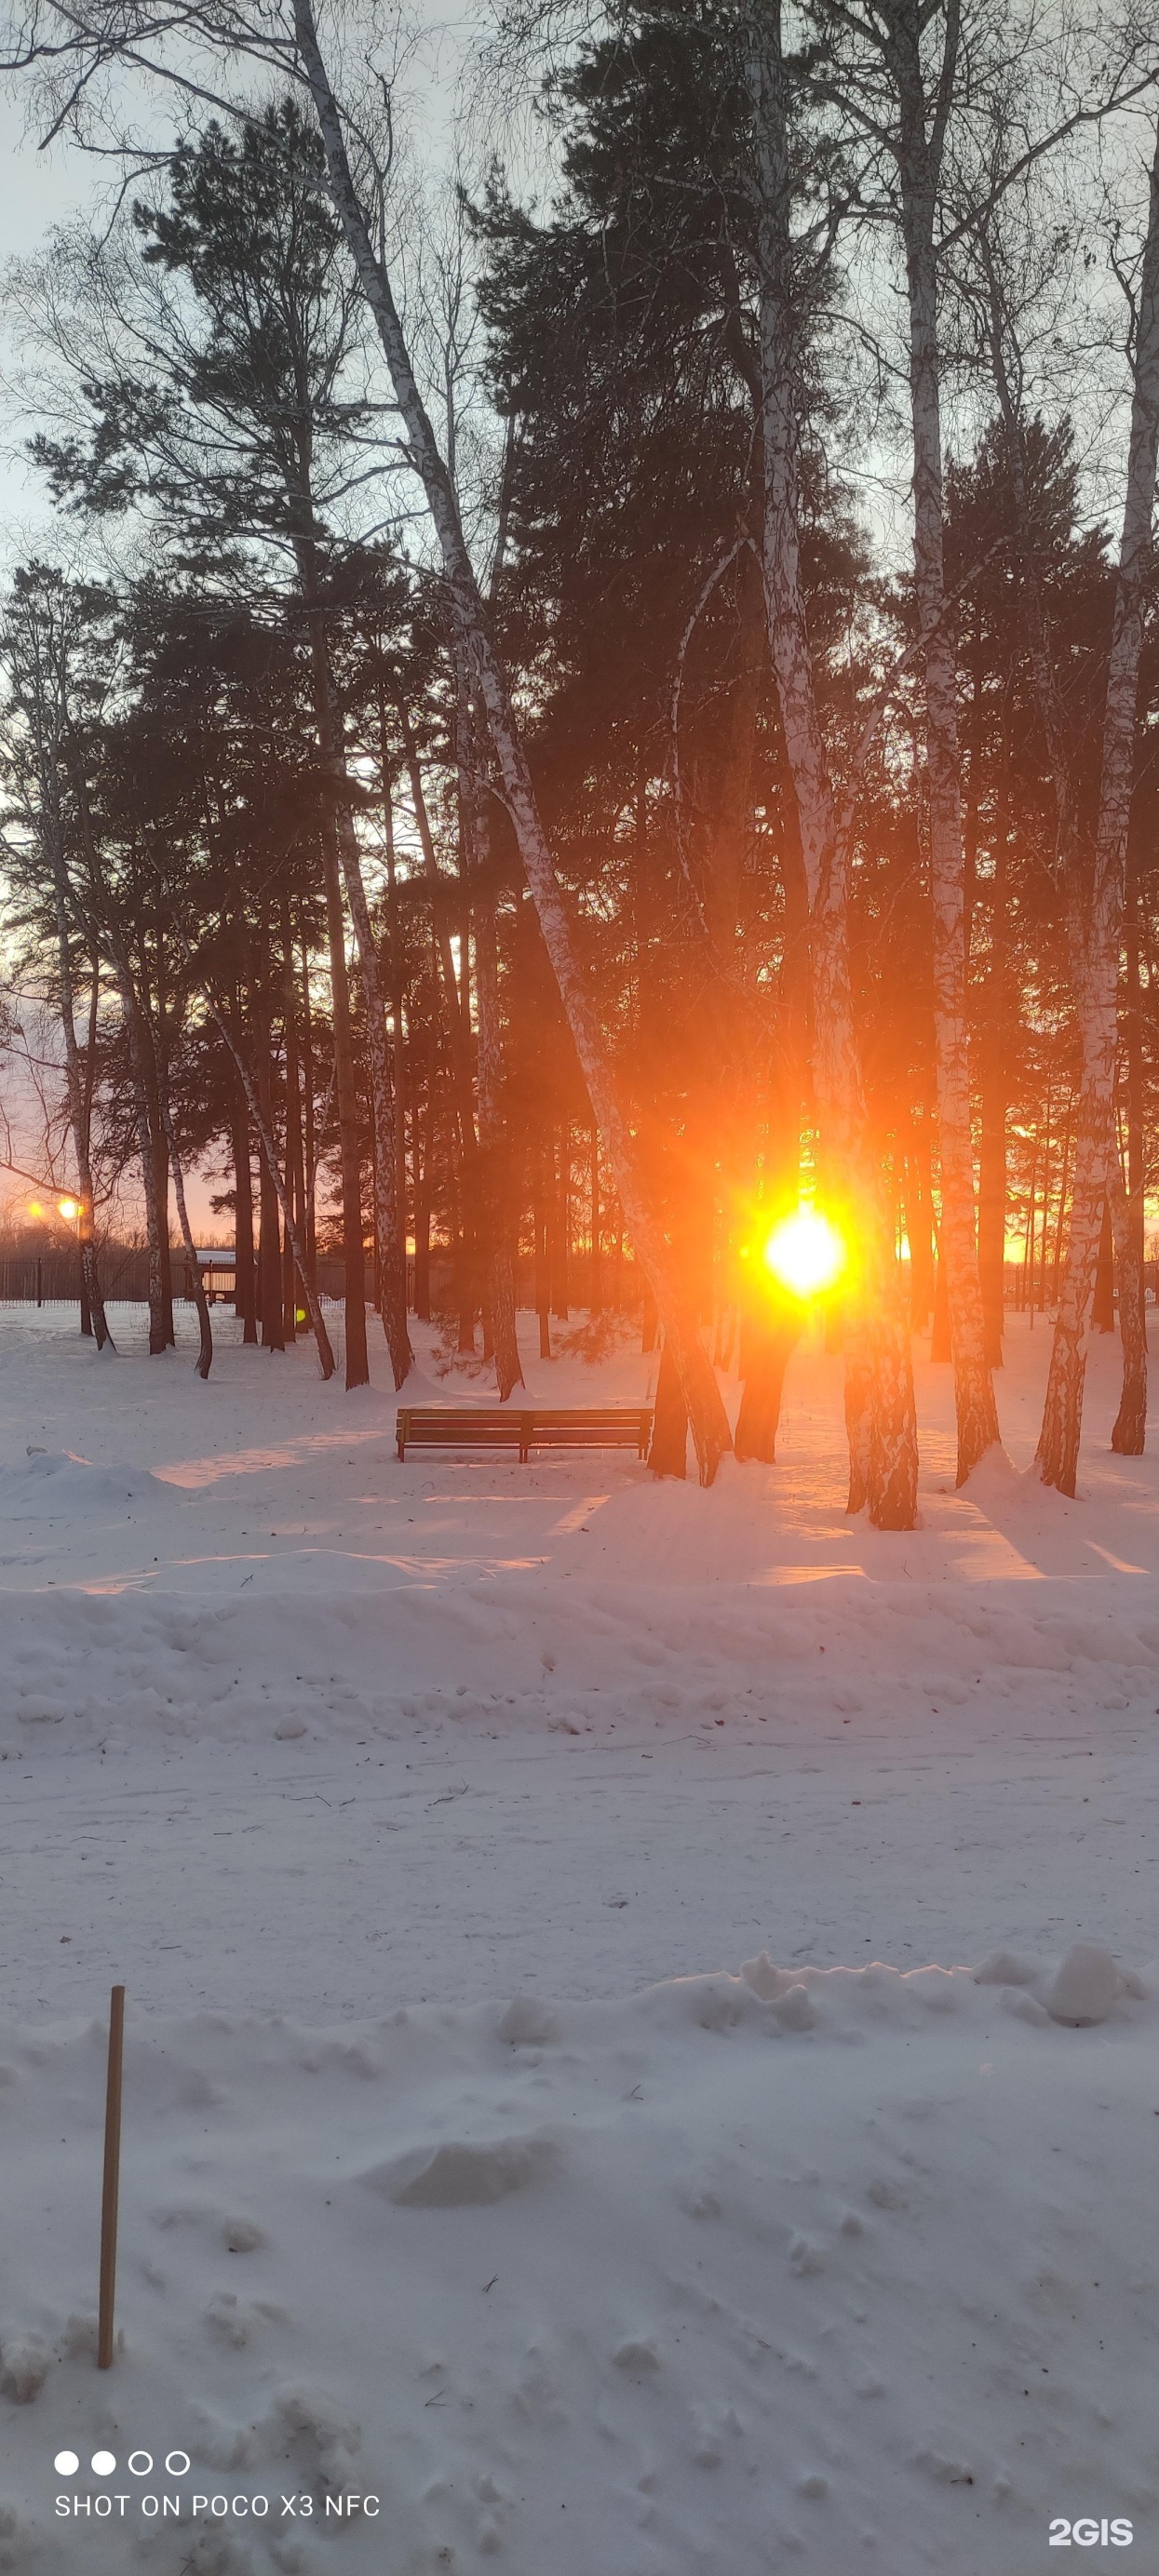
[692, 2297]
[1087, 1986]
[461, 2174]
[51, 1482]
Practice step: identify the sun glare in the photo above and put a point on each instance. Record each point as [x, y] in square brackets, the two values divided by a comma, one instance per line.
[68, 1208]
[805, 1253]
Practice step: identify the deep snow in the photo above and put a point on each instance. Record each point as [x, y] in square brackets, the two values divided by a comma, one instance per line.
[331, 1760]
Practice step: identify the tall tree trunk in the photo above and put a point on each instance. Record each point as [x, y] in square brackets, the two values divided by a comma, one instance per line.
[269, 1153]
[294, 1157]
[391, 1259]
[1130, 1431]
[397, 991]
[243, 1231]
[494, 1196]
[79, 1089]
[560, 1238]
[706, 1410]
[992, 1158]
[458, 1040]
[332, 825]
[668, 1447]
[153, 1024]
[159, 1338]
[1103, 1297]
[539, 1221]
[1129, 1435]
[767, 1343]
[879, 1396]
[161, 1171]
[269, 1239]
[596, 1286]
[422, 1138]
[1100, 938]
[1133, 1034]
[919, 158]
[920, 1231]
[201, 1301]
[309, 1140]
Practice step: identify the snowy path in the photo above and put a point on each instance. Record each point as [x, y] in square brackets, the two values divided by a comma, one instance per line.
[577, 1867]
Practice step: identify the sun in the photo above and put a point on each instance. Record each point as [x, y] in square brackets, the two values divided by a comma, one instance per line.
[805, 1253]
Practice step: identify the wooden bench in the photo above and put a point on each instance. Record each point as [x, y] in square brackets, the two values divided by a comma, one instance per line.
[524, 1427]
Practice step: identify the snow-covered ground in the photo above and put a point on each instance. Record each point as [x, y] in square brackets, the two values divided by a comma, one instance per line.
[429, 1815]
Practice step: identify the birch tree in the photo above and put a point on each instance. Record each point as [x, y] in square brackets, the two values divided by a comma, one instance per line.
[880, 1411]
[894, 72]
[1099, 896]
[1004, 270]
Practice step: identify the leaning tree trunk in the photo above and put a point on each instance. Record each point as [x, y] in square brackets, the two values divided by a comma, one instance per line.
[977, 1412]
[1102, 925]
[702, 1395]
[880, 1412]
[766, 1347]
[668, 1446]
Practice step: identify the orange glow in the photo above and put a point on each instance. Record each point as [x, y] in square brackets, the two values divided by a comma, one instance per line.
[805, 1253]
[35, 1208]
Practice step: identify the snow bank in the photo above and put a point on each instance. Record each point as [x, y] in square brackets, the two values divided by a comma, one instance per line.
[798, 2266]
[850, 2266]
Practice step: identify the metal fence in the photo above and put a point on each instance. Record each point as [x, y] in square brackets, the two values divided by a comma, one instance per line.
[53, 1278]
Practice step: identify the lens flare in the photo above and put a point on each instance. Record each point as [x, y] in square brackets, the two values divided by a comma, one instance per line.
[805, 1253]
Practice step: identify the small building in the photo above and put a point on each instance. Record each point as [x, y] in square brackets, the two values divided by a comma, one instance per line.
[217, 1264]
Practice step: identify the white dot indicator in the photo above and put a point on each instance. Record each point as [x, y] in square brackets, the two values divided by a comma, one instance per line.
[66, 2464]
[104, 2463]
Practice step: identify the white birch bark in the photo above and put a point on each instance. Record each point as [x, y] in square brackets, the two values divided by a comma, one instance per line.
[918, 153]
[880, 1413]
[706, 1410]
[1102, 926]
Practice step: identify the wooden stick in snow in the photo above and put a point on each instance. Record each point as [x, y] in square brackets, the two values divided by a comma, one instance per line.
[111, 2192]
